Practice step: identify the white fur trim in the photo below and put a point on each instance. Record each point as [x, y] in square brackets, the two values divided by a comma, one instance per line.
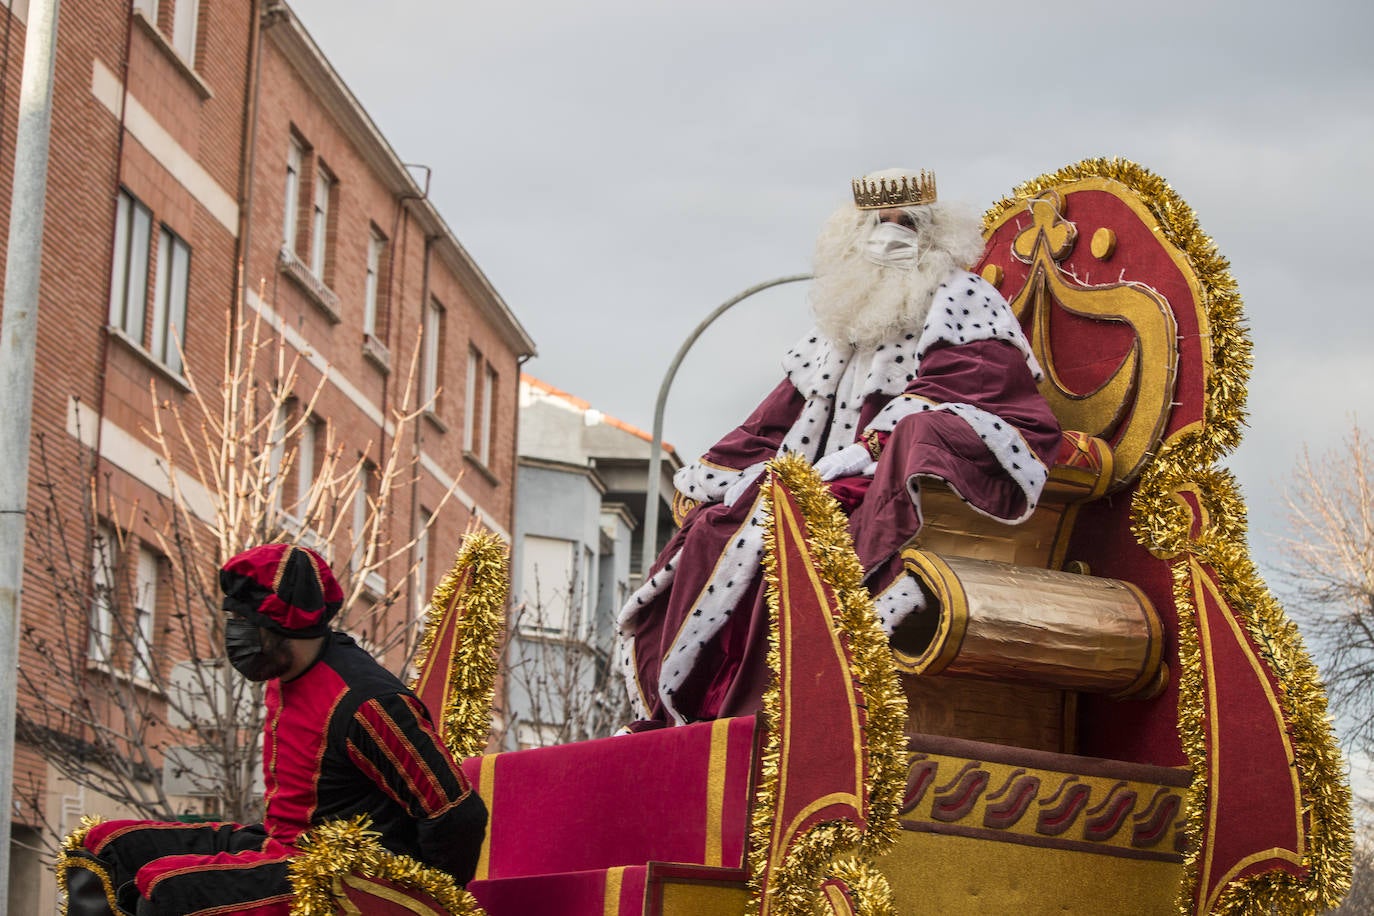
[893, 604]
[967, 308]
[656, 585]
[705, 482]
[718, 599]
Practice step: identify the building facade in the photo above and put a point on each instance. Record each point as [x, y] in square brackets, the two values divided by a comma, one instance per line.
[214, 183]
[575, 560]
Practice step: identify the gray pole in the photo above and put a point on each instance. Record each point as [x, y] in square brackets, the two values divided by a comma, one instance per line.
[17, 335]
[649, 548]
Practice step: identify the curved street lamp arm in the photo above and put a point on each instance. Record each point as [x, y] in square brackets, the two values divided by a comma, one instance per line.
[650, 543]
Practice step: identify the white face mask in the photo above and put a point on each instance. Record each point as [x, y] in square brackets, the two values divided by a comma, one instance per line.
[892, 245]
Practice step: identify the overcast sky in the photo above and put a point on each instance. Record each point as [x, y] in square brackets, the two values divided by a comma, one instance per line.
[620, 167]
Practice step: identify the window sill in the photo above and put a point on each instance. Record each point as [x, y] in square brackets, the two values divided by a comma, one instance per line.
[325, 298]
[433, 417]
[376, 353]
[303, 535]
[150, 29]
[95, 666]
[374, 586]
[176, 378]
[480, 467]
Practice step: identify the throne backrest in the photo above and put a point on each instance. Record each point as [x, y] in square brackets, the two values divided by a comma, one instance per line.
[1112, 304]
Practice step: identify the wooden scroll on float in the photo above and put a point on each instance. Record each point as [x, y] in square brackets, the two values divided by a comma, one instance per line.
[1008, 623]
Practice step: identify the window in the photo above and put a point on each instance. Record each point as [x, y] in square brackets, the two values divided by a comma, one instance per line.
[169, 303]
[536, 734]
[470, 400]
[104, 558]
[360, 515]
[145, 604]
[420, 600]
[307, 453]
[433, 343]
[547, 584]
[588, 576]
[129, 272]
[276, 441]
[129, 281]
[479, 404]
[148, 8]
[319, 223]
[376, 250]
[295, 161]
[185, 14]
[488, 396]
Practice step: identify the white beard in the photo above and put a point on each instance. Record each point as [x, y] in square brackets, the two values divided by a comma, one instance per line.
[860, 303]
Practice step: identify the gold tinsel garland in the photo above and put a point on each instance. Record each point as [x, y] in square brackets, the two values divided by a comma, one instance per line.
[1162, 525]
[466, 716]
[813, 857]
[72, 842]
[344, 847]
[872, 894]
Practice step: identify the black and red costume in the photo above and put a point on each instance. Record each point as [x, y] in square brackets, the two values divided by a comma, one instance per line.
[343, 738]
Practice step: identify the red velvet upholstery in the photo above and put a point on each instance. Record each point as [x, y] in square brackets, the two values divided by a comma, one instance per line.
[583, 893]
[673, 795]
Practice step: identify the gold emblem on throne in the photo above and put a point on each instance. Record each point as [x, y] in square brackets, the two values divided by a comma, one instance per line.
[1130, 406]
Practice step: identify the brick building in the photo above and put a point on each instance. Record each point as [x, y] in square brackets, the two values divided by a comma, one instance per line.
[189, 137]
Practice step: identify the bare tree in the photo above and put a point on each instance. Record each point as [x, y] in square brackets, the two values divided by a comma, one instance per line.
[559, 681]
[131, 697]
[1329, 569]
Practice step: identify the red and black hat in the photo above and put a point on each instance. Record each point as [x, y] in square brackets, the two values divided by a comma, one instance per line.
[282, 587]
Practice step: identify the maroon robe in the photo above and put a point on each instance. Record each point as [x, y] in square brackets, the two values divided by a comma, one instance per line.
[955, 400]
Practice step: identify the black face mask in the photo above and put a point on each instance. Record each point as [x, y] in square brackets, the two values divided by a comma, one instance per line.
[243, 643]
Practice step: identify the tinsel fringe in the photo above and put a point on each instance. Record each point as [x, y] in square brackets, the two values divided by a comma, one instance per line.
[797, 880]
[70, 843]
[350, 846]
[1162, 526]
[466, 716]
[872, 894]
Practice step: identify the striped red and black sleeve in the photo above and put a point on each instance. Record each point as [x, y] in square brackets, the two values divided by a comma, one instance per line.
[393, 741]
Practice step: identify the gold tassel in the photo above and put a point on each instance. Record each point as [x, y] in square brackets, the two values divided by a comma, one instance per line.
[814, 855]
[466, 717]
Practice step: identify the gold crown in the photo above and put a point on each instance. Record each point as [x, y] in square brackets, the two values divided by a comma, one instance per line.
[908, 190]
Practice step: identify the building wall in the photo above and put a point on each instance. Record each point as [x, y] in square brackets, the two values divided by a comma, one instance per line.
[583, 477]
[132, 115]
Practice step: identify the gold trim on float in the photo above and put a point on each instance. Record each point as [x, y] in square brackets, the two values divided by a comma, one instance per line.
[389, 894]
[715, 791]
[951, 608]
[610, 905]
[486, 788]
